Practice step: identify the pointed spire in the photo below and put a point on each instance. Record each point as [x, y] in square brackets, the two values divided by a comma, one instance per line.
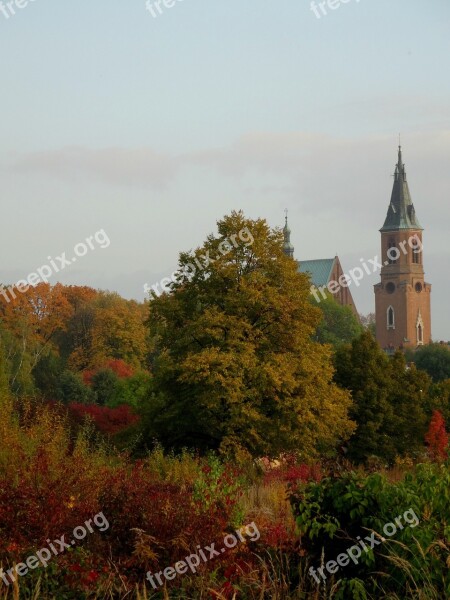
[401, 213]
[288, 248]
[400, 164]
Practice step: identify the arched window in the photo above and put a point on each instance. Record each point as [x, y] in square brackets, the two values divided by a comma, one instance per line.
[393, 252]
[419, 329]
[420, 334]
[390, 318]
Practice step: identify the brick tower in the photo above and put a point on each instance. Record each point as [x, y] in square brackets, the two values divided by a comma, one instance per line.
[402, 298]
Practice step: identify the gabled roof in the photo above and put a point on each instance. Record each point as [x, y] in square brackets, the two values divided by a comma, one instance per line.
[320, 270]
[401, 213]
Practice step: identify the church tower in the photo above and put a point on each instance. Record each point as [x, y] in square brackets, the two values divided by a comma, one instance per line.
[402, 298]
[288, 248]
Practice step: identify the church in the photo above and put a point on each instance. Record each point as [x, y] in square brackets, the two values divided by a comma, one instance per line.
[322, 271]
[402, 298]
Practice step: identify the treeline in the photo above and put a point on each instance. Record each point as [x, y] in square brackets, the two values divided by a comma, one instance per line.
[74, 344]
[234, 358]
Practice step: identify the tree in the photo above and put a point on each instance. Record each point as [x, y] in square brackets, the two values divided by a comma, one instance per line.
[364, 370]
[435, 360]
[389, 400]
[235, 361]
[409, 397]
[70, 388]
[33, 318]
[437, 437]
[4, 371]
[368, 322]
[104, 385]
[47, 373]
[338, 325]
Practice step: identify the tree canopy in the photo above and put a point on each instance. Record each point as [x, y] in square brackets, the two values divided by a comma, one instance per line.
[435, 360]
[389, 400]
[236, 366]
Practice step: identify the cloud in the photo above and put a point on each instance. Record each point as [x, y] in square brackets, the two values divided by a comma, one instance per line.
[114, 166]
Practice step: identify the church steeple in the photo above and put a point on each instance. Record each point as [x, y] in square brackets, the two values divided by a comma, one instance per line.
[402, 298]
[401, 213]
[288, 248]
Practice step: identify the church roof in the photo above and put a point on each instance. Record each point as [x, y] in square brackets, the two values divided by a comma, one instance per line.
[401, 213]
[319, 269]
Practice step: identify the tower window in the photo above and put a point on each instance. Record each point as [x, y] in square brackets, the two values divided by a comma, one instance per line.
[390, 318]
[419, 329]
[416, 251]
[420, 335]
[393, 252]
[390, 287]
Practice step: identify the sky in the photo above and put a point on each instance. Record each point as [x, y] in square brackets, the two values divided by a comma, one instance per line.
[152, 128]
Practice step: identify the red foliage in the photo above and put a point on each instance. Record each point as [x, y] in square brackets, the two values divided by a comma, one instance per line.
[291, 473]
[437, 437]
[107, 420]
[50, 498]
[118, 366]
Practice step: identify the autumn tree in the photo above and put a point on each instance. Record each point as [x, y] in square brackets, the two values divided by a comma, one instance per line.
[33, 318]
[104, 327]
[236, 366]
[437, 437]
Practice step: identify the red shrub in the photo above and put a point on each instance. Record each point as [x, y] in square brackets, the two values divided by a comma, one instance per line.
[437, 437]
[107, 420]
[118, 366]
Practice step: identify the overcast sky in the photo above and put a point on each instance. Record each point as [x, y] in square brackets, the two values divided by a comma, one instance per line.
[154, 128]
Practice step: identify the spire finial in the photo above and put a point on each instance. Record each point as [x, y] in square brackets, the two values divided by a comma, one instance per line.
[288, 248]
[400, 164]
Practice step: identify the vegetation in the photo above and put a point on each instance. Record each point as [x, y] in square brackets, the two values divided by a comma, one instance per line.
[235, 364]
[339, 325]
[231, 399]
[434, 359]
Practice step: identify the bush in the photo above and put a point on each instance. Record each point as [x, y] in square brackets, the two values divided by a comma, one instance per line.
[70, 388]
[335, 514]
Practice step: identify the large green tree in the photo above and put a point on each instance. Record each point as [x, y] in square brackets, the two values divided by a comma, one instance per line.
[435, 360]
[236, 367]
[389, 400]
[338, 325]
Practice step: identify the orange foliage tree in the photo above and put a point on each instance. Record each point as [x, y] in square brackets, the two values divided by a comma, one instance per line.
[437, 437]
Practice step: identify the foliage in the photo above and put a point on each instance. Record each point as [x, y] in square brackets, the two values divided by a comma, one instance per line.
[389, 401]
[70, 388]
[437, 437]
[52, 484]
[107, 420]
[117, 366]
[235, 364]
[104, 385]
[435, 360]
[339, 325]
[368, 322]
[335, 514]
